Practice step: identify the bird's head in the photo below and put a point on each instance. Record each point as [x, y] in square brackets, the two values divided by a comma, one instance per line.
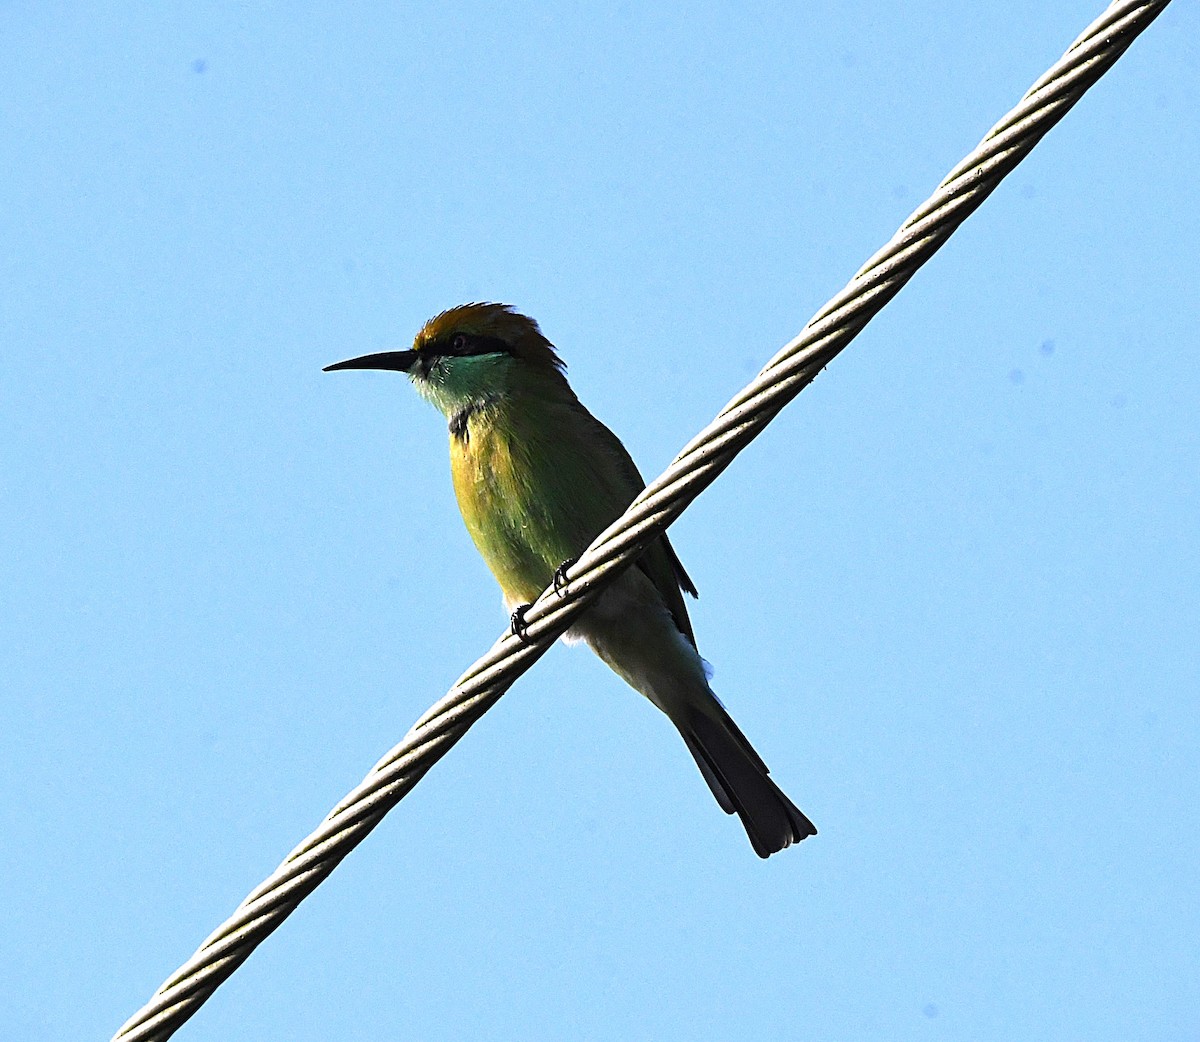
[471, 353]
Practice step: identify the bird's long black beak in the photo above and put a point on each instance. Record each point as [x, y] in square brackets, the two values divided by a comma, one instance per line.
[399, 361]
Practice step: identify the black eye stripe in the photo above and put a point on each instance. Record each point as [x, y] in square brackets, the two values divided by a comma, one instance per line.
[463, 345]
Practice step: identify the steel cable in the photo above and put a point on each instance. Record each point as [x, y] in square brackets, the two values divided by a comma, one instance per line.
[663, 500]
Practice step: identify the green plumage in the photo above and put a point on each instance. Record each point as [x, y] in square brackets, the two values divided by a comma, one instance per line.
[537, 479]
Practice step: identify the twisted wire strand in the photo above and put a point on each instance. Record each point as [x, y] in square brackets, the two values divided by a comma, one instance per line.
[663, 500]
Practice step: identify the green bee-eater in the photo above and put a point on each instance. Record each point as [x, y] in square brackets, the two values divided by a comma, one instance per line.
[537, 478]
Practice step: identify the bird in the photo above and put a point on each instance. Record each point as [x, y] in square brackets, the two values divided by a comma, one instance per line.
[537, 477]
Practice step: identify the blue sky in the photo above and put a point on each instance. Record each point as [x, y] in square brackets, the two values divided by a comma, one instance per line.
[952, 594]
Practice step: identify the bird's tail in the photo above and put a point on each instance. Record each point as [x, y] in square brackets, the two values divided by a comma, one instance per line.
[739, 779]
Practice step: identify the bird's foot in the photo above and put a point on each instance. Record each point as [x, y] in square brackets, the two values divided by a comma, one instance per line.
[560, 575]
[517, 623]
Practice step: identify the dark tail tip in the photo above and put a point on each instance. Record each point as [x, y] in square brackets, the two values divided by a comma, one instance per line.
[739, 780]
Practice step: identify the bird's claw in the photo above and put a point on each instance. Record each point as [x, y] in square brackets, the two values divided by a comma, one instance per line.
[560, 575]
[517, 623]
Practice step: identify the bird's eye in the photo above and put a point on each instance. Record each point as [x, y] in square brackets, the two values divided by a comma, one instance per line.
[459, 343]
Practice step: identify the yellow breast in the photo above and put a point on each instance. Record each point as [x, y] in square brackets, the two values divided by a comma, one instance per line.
[492, 484]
